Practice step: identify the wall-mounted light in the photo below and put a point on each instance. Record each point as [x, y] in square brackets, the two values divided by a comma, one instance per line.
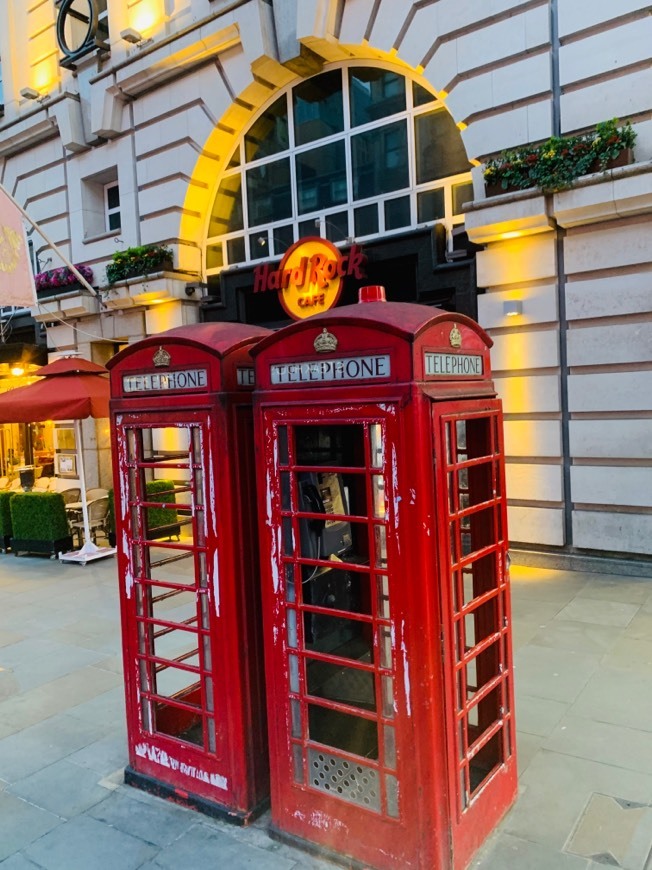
[30, 94]
[131, 35]
[512, 307]
[17, 371]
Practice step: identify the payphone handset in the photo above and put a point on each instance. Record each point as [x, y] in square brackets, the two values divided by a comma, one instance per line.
[323, 493]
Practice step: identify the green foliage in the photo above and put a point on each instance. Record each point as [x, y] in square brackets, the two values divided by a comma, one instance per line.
[5, 514]
[156, 517]
[556, 163]
[38, 516]
[140, 260]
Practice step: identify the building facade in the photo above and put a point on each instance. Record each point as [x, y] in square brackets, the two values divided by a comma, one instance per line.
[226, 131]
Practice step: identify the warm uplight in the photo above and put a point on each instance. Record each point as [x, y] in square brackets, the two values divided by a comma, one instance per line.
[511, 235]
[461, 125]
[17, 371]
[147, 14]
[512, 307]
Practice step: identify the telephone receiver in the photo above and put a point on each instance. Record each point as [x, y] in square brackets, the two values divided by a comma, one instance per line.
[311, 500]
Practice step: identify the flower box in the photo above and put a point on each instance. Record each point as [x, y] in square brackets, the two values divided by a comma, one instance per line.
[137, 261]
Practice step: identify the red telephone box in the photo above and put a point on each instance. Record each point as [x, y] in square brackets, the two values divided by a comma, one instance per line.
[385, 585]
[182, 437]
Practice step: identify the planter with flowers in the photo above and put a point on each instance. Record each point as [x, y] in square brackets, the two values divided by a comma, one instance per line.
[559, 161]
[139, 260]
[61, 280]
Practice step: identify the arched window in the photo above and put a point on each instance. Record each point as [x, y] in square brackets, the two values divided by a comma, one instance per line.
[356, 152]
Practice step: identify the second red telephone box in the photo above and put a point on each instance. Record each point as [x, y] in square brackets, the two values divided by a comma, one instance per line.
[182, 437]
[385, 585]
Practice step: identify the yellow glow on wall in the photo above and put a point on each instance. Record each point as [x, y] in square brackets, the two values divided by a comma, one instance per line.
[461, 125]
[146, 15]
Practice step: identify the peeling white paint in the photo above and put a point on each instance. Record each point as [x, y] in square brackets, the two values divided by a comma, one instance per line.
[216, 581]
[159, 756]
[413, 496]
[326, 822]
[406, 670]
[397, 497]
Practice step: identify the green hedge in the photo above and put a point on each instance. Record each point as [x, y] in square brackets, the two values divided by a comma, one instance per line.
[5, 515]
[38, 516]
[157, 518]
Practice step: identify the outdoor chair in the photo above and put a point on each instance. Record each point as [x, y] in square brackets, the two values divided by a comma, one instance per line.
[72, 495]
[97, 516]
[96, 492]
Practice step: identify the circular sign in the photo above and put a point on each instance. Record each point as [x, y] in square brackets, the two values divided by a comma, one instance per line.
[76, 25]
[312, 272]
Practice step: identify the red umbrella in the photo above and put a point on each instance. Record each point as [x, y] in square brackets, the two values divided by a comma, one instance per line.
[71, 389]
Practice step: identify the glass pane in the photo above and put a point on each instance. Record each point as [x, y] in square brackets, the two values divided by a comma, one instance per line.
[343, 731]
[430, 205]
[321, 177]
[461, 193]
[366, 220]
[113, 196]
[439, 147]
[269, 134]
[397, 213]
[214, 257]
[226, 216]
[337, 226]
[318, 108]
[375, 94]
[335, 635]
[285, 491]
[258, 247]
[308, 228]
[377, 446]
[421, 96]
[339, 683]
[282, 238]
[269, 196]
[282, 445]
[380, 160]
[235, 250]
[114, 221]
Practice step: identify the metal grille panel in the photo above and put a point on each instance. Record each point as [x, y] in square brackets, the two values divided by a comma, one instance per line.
[347, 780]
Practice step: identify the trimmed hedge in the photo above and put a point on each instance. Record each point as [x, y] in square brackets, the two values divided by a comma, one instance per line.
[161, 522]
[39, 522]
[5, 519]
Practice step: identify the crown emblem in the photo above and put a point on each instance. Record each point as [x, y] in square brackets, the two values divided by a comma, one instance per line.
[325, 342]
[161, 357]
[455, 337]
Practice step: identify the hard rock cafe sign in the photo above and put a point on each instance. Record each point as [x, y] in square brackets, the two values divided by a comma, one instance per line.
[310, 276]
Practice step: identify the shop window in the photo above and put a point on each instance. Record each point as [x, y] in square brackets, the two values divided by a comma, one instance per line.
[358, 148]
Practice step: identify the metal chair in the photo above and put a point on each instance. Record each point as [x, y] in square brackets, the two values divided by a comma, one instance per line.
[97, 514]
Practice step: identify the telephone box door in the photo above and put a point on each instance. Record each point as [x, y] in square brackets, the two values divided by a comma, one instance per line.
[168, 522]
[341, 744]
[476, 617]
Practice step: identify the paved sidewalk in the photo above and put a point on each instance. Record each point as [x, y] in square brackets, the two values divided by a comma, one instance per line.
[584, 714]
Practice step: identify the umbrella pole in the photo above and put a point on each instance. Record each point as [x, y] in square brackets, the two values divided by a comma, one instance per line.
[89, 546]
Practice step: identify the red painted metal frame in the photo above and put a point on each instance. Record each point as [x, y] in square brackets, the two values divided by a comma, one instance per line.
[432, 831]
[229, 778]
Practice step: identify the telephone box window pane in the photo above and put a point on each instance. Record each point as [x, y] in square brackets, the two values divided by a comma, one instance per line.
[486, 761]
[375, 94]
[390, 746]
[338, 636]
[297, 760]
[439, 148]
[383, 596]
[380, 160]
[391, 786]
[330, 445]
[282, 434]
[285, 491]
[387, 684]
[461, 193]
[337, 590]
[343, 684]
[377, 445]
[290, 589]
[293, 663]
[292, 628]
[211, 736]
[321, 177]
[380, 534]
[430, 206]
[385, 647]
[269, 192]
[343, 731]
[288, 536]
[318, 108]
[366, 220]
[295, 710]
[380, 505]
[227, 216]
[269, 134]
[397, 213]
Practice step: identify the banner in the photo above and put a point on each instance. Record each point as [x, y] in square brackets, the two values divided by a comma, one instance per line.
[16, 279]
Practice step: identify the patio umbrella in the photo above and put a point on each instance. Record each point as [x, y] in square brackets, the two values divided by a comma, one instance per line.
[71, 389]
